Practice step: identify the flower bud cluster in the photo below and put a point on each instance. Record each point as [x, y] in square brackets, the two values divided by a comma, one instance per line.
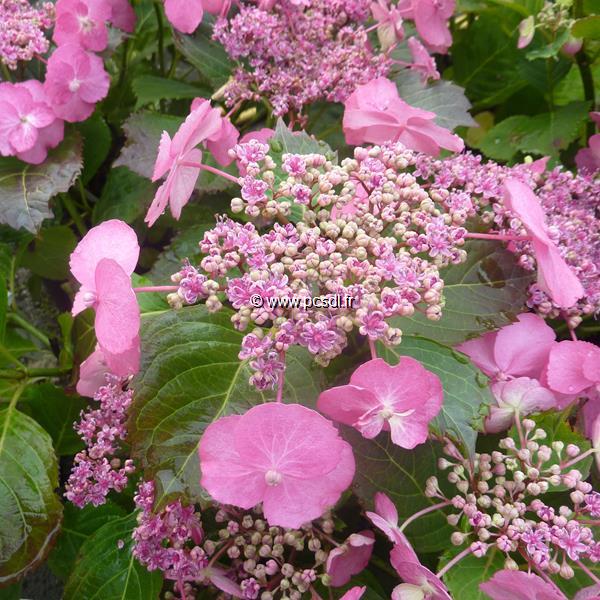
[368, 232]
[258, 560]
[96, 470]
[500, 501]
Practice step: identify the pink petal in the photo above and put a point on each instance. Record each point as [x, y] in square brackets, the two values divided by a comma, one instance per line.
[520, 199]
[518, 585]
[183, 183]
[354, 593]
[220, 580]
[290, 438]
[431, 25]
[159, 202]
[408, 432]
[23, 137]
[164, 160]
[117, 313]
[92, 373]
[184, 15]
[566, 366]
[555, 277]
[220, 143]
[347, 403]
[111, 239]
[350, 558]
[522, 349]
[122, 15]
[402, 553]
[481, 352]
[126, 363]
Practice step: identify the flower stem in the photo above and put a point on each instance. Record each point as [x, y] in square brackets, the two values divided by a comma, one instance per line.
[186, 163]
[452, 562]
[156, 288]
[161, 41]
[587, 572]
[73, 213]
[423, 512]
[498, 237]
[373, 349]
[578, 458]
[26, 326]
[17, 374]
[280, 386]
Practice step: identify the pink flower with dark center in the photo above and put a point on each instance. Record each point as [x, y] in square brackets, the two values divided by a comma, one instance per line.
[103, 262]
[401, 399]
[82, 22]
[517, 350]
[178, 157]
[22, 117]
[574, 367]
[555, 277]
[375, 113]
[350, 558]
[521, 396]
[286, 456]
[419, 582]
[517, 585]
[75, 81]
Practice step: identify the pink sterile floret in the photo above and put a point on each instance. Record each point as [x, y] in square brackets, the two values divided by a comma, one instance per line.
[24, 115]
[573, 367]
[517, 350]
[350, 558]
[375, 113]
[521, 396]
[201, 123]
[555, 277]
[385, 517]
[419, 581]
[186, 15]
[517, 585]
[103, 262]
[82, 22]
[401, 399]
[286, 456]
[389, 23]
[223, 140]
[431, 19]
[75, 81]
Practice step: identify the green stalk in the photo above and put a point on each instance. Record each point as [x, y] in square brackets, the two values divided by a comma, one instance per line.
[26, 326]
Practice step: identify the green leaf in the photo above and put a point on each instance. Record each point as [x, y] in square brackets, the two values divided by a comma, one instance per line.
[104, 571]
[191, 376]
[149, 302]
[208, 56]
[56, 413]
[381, 466]
[544, 134]
[31, 511]
[484, 293]
[142, 132]
[588, 28]
[463, 579]
[557, 428]
[26, 189]
[96, 144]
[446, 99]
[78, 525]
[484, 58]
[465, 398]
[125, 196]
[48, 254]
[570, 88]
[149, 89]
[549, 50]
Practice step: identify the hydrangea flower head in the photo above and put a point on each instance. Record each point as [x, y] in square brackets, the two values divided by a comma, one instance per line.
[401, 399]
[103, 262]
[21, 119]
[82, 22]
[521, 396]
[554, 275]
[75, 81]
[517, 350]
[419, 582]
[286, 456]
[375, 113]
[517, 585]
[202, 123]
[573, 367]
[350, 558]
